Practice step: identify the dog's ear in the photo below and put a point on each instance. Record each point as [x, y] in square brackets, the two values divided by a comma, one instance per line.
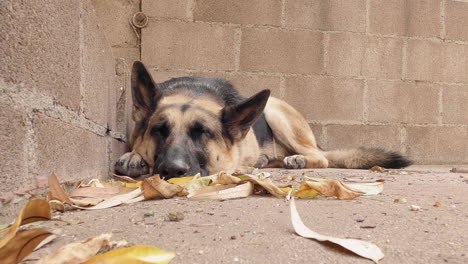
[145, 92]
[237, 119]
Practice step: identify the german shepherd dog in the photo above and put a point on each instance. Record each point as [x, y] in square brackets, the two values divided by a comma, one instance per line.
[190, 125]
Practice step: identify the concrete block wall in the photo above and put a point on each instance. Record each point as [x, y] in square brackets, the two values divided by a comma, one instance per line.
[373, 73]
[63, 81]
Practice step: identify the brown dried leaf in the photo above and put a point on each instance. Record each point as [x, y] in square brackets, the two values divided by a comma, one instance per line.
[34, 210]
[154, 187]
[77, 252]
[224, 178]
[269, 186]
[56, 191]
[22, 245]
[378, 169]
[334, 188]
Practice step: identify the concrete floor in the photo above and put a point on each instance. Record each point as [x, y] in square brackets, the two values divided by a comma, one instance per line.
[258, 229]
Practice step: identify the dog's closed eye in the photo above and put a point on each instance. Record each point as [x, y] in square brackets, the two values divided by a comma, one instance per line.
[198, 130]
[161, 128]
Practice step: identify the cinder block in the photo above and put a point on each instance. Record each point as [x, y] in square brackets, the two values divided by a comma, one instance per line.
[247, 84]
[345, 54]
[341, 15]
[13, 152]
[383, 58]
[357, 55]
[324, 98]
[98, 72]
[436, 61]
[407, 18]
[260, 12]
[275, 50]
[179, 45]
[167, 9]
[39, 54]
[455, 104]
[403, 102]
[113, 16]
[68, 150]
[163, 75]
[456, 20]
[429, 145]
[352, 136]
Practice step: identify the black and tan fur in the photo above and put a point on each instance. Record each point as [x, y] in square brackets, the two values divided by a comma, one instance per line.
[189, 125]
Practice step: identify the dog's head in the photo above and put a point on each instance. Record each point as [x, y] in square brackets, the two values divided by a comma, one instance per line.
[181, 133]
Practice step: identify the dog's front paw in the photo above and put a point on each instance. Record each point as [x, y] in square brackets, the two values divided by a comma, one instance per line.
[131, 164]
[294, 162]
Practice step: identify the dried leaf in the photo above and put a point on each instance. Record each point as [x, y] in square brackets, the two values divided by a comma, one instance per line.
[96, 192]
[22, 245]
[199, 182]
[224, 178]
[133, 255]
[331, 187]
[154, 187]
[379, 169]
[88, 201]
[368, 188]
[359, 247]
[56, 191]
[222, 192]
[56, 205]
[77, 252]
[46, 241]
[306, 192]
[269, 186]
[125, 178]
[180, 181]
[34, 210]
[114, 201]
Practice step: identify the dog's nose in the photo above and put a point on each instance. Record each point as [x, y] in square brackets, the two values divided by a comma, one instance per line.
[173, 169]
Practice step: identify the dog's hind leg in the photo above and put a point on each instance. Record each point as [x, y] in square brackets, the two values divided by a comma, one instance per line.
[292, 132]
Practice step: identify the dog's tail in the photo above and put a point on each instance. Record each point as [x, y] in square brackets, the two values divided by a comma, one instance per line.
[366, 158]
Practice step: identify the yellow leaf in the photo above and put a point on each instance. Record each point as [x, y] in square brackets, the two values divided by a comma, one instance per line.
[180, 181]
[288, 189]
[199, 182]
[22, 245]
[34, 210]
[134, 255]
